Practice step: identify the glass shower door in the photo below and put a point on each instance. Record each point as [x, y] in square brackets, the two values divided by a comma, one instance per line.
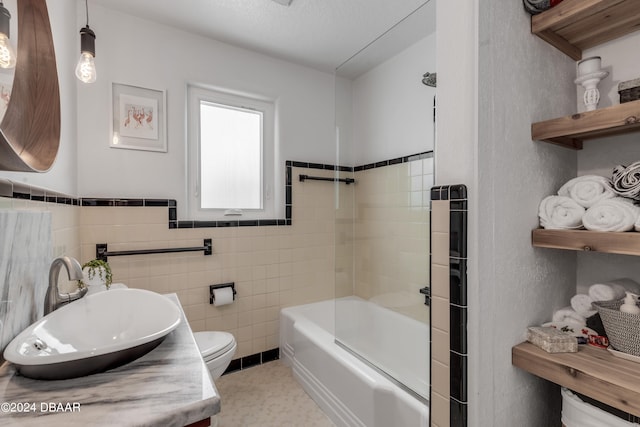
[385, 131]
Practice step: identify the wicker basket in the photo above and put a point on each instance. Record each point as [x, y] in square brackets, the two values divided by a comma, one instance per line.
[623, 329]
[629, 90]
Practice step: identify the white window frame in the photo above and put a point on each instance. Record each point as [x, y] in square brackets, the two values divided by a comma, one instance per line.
[271, 194]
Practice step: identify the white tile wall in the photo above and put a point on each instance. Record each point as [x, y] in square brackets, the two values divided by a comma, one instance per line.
[391, 237]
[272, 267]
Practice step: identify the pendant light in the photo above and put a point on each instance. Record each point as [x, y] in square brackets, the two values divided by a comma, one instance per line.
[7, 54]
[86, 68]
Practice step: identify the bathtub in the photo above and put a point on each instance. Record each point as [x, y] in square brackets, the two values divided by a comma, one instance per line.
[348, 390]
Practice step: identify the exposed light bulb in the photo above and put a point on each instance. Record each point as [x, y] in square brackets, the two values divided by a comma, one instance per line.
[86, 68]
[7, 54]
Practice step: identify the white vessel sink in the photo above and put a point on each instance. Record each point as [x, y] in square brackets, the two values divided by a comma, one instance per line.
[96, 333]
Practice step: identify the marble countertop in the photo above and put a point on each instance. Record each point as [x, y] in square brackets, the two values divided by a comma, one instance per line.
[169, 386]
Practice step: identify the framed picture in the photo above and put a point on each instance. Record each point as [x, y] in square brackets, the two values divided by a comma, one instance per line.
[138, 119]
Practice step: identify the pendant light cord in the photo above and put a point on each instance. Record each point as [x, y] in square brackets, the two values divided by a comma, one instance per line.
[86, 5]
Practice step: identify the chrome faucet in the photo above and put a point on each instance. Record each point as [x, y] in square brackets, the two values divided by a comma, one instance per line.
[54, 299]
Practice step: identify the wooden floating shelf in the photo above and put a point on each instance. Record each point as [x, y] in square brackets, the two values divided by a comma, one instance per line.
[626, 243]
[591, 371]
[575, 25]
[570, 131]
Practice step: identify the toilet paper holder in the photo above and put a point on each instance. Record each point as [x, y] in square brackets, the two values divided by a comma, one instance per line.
[231, 285]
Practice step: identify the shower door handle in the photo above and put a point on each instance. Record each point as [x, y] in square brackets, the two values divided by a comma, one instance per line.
[426, 291]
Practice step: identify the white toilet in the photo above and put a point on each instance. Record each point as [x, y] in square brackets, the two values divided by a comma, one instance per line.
[217, 349]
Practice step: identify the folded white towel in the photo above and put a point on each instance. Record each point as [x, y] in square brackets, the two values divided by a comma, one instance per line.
[587, 190]
[581, 303]
[618, 214]
[613, 289]
[625, 180]
[606, 292]
[559, 212]
[569, 315]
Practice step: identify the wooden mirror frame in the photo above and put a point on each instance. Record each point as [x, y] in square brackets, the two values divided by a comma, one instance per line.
[30, 129]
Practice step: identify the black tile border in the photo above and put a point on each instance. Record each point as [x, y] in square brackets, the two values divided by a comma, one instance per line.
[458, 309]
[458, 367]
[458, 282]
[249, 361]
[458, 318]
[14, 190]
[253, 360]
[397, 160]
[459, 413]
[11, 189]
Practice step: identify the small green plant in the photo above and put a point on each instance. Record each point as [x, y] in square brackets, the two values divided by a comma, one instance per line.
[99, 267]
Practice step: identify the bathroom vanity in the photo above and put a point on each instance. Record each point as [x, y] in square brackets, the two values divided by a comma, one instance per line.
[169, 386]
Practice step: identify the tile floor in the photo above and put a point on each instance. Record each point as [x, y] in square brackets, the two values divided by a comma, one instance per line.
[267, 396]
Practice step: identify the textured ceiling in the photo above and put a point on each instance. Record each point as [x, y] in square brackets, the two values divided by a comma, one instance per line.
[317, 33]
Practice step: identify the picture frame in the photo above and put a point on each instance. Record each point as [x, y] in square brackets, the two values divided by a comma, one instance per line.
[138, 118]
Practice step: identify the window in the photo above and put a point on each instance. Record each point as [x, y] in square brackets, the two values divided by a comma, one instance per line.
[231, 156]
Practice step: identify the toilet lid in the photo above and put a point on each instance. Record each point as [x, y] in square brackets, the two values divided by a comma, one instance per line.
[212, 344]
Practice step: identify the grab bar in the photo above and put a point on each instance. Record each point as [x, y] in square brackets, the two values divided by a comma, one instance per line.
[102, 253]
[321, 178]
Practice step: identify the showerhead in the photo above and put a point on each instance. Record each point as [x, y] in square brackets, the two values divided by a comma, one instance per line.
[429, 79]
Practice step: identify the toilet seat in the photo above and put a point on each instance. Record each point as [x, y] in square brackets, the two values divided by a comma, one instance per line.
[214, 344]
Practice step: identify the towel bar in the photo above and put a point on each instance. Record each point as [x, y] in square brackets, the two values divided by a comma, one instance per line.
[321, 178]
[102, 253]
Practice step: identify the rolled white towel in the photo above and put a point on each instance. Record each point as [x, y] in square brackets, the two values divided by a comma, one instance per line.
[581, 303]
[587, 190]
[559, 212]
[618, 214]
[606, 292]
[613, 289]
[625, 180]
[628, 284]
[568, 314]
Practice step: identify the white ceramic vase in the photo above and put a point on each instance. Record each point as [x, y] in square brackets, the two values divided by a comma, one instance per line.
[589, 75]
[97, 279]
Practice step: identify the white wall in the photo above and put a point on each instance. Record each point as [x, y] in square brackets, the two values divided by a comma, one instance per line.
[494, 80]
[138, 52]
[600, 156]
[392, 109]
[345, 149]
[620, 59]
[66, 40]
[455, 163]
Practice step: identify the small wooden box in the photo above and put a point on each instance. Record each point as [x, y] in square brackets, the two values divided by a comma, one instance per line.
[629, 90]
[552, 340]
